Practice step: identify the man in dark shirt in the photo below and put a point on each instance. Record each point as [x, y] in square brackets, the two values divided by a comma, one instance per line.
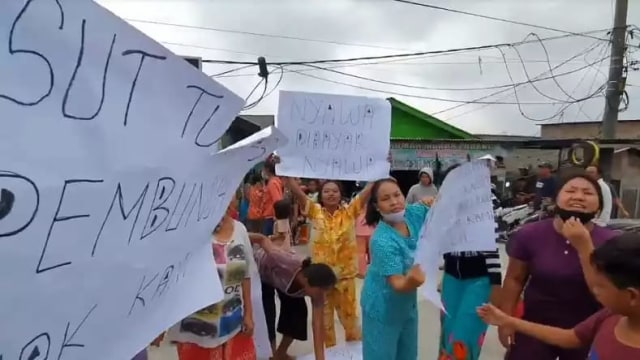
[545, 186]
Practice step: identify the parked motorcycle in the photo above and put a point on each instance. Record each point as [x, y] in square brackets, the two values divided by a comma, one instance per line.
[625, 225]
[509, 219]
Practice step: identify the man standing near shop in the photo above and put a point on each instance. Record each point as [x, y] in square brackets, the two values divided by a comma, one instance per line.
[545, 186]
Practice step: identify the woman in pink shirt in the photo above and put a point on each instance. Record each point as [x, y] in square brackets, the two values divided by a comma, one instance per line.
[363, 235]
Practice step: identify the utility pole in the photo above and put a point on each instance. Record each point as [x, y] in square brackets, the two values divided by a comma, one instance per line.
[615, 83]
[615, 86]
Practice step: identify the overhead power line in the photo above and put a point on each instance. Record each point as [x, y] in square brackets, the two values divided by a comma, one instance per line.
[272, 36]
[399, 56]
[502, 86]
[434, 7]
[503, 91]
[463, 102]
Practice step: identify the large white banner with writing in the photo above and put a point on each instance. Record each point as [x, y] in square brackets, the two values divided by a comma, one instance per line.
[109, 190]
[461, 219]
[334, 136]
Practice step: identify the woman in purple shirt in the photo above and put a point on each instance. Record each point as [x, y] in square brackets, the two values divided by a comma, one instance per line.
[544, 261]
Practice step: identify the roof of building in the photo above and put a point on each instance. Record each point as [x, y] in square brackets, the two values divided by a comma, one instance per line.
[430, 119]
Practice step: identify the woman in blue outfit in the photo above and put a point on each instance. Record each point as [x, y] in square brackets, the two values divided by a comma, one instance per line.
[389, 294]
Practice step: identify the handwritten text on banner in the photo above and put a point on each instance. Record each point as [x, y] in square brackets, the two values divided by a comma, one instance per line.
[109, 188]
[461, 220]
[334, 136]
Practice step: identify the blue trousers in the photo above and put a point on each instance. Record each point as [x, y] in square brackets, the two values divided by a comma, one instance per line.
[462, 331]
[390, 342]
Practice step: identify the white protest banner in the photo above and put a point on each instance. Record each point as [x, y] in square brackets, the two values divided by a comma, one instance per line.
[346, 351]
[109, 188]
[262, 143]
[334, 136]
[461, 219]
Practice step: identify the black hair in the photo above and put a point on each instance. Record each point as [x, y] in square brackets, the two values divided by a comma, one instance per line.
[270, 165]
[318, 274]
[449, 170]
[579, 173]
[282, 209]
[619, 260]
[255, 179]
[338, 184]
[597, 167]
[372, 216]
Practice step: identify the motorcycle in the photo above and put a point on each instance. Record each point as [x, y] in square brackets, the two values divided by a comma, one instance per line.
[525, 214]
[624, 225]
[510, 219]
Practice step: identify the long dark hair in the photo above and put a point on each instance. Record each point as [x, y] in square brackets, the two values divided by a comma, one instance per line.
[338, 184]
[578, 173]
[372, 216]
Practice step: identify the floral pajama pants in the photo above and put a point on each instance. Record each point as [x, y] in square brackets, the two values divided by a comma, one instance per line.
[342, 300]
[462, 331]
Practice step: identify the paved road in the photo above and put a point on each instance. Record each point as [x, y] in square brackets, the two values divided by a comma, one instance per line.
[429, 333]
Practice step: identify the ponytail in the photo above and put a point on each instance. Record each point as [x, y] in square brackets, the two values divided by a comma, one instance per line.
[318, 274]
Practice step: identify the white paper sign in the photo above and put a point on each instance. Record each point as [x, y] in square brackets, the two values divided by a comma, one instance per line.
[461, 219]
[109, 189]
[347, 351]
[334, 136]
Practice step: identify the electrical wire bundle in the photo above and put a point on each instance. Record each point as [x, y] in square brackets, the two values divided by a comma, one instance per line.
[311, 68]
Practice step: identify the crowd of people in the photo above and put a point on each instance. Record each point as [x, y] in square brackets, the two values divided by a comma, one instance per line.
[578, 282]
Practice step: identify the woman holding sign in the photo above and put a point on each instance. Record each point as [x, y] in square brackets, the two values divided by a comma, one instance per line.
[333, 242]
[389, 294]
[223, 330]
[471, 279]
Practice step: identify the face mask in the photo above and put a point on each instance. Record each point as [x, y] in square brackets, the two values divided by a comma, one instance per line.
[393, 218]
[583, 217]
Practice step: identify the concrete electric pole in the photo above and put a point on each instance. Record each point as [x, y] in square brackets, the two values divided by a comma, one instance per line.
[615, 84]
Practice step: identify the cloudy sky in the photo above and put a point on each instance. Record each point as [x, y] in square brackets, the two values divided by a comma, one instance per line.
[294, 30]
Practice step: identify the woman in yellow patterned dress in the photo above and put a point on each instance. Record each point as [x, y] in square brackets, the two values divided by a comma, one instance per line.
[333, 242]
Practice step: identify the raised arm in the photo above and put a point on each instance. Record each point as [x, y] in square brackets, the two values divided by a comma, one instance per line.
[262, 241]
[297, 192]
[580, 238]
[358, 203]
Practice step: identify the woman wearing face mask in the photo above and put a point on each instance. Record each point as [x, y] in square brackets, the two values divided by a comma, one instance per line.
[541, 257]
[471, 279]
[389, 294]
[333, 242]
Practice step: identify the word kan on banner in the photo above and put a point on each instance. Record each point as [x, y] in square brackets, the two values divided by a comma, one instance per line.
[110, 181]
[334, 136]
